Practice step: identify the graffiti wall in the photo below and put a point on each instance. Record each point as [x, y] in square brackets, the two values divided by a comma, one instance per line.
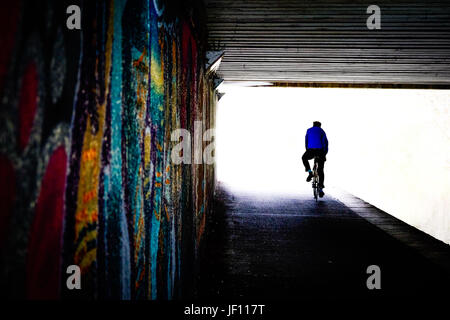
[85, 148]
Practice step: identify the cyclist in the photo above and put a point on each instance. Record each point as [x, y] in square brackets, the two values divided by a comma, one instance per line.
[316, 144]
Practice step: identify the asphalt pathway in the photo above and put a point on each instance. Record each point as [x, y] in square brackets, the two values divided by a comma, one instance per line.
[290, 247]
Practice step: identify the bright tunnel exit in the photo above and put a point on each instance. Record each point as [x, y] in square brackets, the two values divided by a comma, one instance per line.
[386, 146]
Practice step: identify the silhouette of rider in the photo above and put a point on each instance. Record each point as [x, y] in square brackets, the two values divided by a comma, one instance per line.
[316, 144]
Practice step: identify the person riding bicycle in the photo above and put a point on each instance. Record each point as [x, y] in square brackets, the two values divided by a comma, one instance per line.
[316, 144]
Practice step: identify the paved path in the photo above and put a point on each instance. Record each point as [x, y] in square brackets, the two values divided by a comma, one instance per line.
[289, 247]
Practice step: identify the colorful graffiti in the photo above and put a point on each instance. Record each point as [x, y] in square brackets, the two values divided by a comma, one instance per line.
[85, 149]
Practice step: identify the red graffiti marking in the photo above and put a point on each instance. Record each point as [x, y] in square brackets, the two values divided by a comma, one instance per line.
[45, 241]
[27, 104]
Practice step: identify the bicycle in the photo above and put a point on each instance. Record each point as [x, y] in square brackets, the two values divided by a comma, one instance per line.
[315, 180]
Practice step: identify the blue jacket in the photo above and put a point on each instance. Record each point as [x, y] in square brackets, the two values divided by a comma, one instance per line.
[316, 139]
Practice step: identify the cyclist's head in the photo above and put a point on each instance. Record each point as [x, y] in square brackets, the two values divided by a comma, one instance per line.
[317, 124]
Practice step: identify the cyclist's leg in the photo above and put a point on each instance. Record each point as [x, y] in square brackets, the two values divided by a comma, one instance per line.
[321, 163]
[307, 156]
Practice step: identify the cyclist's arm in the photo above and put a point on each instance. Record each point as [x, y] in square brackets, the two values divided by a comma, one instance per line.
[325, 142]
[306, 140]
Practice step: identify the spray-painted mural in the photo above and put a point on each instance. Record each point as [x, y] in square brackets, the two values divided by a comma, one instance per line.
[85, 149]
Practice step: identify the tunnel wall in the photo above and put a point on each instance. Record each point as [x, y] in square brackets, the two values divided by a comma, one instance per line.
[85, 149]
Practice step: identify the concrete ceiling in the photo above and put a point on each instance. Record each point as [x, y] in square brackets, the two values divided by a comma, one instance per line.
[327, 41]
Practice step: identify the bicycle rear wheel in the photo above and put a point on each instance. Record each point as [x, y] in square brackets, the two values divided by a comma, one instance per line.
[315, 183]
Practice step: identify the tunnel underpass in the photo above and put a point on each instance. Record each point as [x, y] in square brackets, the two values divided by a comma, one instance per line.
[269, 239]
[112, 187]
[373, 92]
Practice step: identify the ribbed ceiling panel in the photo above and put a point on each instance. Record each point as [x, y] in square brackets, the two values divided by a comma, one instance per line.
[328, 41]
